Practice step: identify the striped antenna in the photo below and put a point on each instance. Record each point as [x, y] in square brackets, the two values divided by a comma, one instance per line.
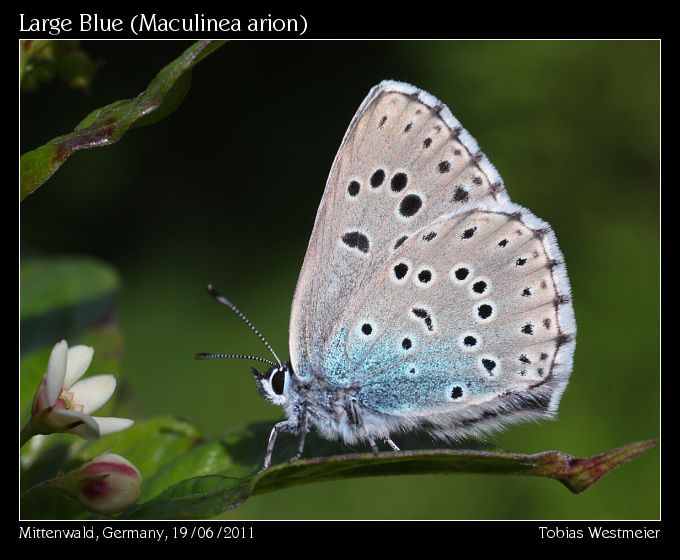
[212, 355]
[224, 301]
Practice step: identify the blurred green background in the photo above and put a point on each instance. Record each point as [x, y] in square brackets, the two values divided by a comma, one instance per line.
[226, 189]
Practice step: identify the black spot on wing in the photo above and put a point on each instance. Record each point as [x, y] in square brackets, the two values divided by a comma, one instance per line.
[424, 276]
[400, 270]
[356, 240]
[353, 188]
[470, 341]
[410, 205]
[460, 195]
[400, 241]
[398, 182]
[479, 287]
[461, 273]
[469, 232]
[484, 311]
[489, 364]
[425, 316]
[377, 178]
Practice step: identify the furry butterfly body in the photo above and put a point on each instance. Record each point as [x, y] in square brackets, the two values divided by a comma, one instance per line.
[427, 299]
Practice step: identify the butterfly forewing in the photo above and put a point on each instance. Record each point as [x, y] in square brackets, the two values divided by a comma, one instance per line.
[404, 162]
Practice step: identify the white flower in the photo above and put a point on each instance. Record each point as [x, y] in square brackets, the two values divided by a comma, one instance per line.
[64, 404]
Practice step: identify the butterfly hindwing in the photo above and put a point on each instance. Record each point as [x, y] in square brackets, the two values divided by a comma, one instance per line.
[470, 315]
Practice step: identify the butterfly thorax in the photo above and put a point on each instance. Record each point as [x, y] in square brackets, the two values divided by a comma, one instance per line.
[335, 411]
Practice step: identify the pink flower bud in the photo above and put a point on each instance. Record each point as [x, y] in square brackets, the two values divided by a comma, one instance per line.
[108, 484]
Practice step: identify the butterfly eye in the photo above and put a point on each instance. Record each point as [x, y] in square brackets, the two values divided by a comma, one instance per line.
[278, 382]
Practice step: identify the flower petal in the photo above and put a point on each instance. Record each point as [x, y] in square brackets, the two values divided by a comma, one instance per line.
[112, 425]
[93, 392]
[85, 431]
[56, 371]
[85, 426]
[79, 359]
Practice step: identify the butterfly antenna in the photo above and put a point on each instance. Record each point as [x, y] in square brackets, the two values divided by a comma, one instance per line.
[211, 355]
[224, 301]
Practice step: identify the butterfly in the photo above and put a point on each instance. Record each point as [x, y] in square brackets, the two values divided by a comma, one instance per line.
[427, 301]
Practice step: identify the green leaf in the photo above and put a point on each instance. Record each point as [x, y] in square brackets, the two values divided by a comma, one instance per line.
[195, 498]
[222, 474]
[148, 444]
[108, 124]
[62, 297]
[187, 477]
[42, 61]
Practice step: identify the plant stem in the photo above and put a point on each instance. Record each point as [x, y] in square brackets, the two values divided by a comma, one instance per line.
[27, 432]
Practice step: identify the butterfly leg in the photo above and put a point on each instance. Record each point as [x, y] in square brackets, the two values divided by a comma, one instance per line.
[302, 432]
[285, 425]
[300, 449]
[356, 420]
[393, 445]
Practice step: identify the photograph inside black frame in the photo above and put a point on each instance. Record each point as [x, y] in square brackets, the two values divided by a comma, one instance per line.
[436, 257]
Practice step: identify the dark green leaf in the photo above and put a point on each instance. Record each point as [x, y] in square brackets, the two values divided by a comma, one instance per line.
[61, 297]
[108, 124]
